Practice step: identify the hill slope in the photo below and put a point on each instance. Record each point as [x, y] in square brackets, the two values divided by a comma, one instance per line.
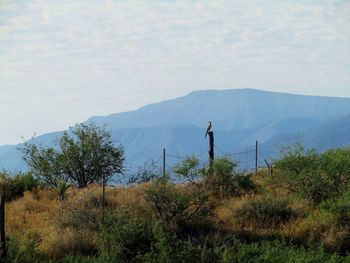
[240, 117]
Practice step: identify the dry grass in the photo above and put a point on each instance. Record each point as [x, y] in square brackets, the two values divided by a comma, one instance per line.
[39, 213]
[30, 214]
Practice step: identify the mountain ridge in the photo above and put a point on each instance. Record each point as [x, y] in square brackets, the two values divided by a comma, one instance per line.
[240, 116]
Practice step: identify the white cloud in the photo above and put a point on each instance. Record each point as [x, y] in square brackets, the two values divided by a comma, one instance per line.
[63, 61]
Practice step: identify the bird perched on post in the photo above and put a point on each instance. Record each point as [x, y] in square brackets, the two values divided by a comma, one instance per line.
[208, 129]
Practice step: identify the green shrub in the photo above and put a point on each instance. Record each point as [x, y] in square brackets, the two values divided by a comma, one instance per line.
[122, 238]
[314, 176]
[148, 173]
[263, 212]
[276, 252]
[339, 208]
[190, 171]
[168, 248]
[17, 184]
[174, 206]
[24, 249]
[220, 179]
[337, 235]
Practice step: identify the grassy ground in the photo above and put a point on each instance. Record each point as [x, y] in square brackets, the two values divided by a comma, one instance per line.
[41, 225]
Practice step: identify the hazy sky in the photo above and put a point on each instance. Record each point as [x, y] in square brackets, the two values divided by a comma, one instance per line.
[64, 61]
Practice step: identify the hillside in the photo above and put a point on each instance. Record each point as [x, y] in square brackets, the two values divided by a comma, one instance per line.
[240, 116]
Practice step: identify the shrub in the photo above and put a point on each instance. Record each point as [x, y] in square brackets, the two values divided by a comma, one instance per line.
[175, 207]
[145, 174]
[72, 242]
[263, 212]
[24, 249]
[275, 252]
[122, 238]
[190, 171]
[18, 184]
[220, 179]
[168, 248]
[311, 175]
[339, 208]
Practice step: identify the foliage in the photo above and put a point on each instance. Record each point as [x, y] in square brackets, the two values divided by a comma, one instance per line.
[168, 248]
[146, 174]
[122, 237]
[174, 206]
[86, 155]
[276, 252]
[339, 208]
[160, 221]
[62, 190]
[17, 184]
[312, 175]
[44, 162]
[24, 249]
[220, 179]
[189, 170]
[266, 212]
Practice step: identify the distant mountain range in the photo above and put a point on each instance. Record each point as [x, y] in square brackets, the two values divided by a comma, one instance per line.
[239, 116]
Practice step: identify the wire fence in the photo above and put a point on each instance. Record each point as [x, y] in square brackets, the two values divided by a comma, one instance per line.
[247, 160]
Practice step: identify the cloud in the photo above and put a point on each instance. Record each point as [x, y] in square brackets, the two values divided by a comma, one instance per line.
[83, 58]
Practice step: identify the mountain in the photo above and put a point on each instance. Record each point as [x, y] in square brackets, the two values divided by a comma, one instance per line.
[239, 116]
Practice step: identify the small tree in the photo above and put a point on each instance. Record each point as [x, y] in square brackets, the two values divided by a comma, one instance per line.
[86, 154]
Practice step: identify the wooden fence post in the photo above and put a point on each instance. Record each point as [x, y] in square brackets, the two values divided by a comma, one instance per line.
[164, 169]
[211, 147]
[3, 249]
[256, 156]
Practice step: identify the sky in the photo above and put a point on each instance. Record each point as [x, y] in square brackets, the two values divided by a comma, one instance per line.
[62, 62]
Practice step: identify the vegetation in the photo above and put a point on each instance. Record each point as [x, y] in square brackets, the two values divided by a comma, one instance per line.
[312, 175]
[298, 213]
[86, 155]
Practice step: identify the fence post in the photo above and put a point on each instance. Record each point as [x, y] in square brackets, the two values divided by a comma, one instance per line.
[3, 250]
[211, 147]
[256, 156]
[103, 196]
[164, 171]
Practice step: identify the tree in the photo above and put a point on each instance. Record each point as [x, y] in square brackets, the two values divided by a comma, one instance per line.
[85, 154]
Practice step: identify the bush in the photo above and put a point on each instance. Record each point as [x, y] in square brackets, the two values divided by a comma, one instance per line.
[276, 252]
[145, 174]
[74, 243]
[173, 206]
[311, 175]
[339, 208]
[167, 248]
[264, 212]
[220, 179]
[122, 238]
[24, 249]
[18, 184]
[84, 212]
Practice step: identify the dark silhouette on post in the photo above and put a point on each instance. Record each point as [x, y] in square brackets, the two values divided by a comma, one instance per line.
[211, 143]
[208, 129]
